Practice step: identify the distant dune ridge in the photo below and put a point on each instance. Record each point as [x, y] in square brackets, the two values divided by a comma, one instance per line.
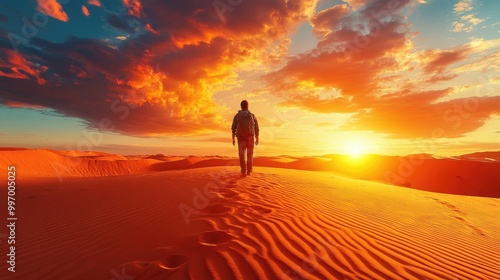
[92, 215]
[474, 174]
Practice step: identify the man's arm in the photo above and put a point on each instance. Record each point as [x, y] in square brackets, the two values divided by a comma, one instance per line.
[257, 130]
[233, 128]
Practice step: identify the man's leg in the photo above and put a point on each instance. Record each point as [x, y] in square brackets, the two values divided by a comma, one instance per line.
[241, 153]
[250, 155]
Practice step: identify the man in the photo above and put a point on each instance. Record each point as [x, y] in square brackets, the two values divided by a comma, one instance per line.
[245, 127]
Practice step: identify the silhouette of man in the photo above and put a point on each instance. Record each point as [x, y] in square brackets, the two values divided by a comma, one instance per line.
[245, 127]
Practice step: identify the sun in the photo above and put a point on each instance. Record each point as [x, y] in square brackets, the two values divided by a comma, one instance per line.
[356, 149]
[354, 145]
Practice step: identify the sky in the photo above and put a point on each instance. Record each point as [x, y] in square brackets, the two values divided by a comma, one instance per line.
[392, 77]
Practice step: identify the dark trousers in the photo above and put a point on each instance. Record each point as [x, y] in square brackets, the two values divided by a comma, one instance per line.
[245, 146]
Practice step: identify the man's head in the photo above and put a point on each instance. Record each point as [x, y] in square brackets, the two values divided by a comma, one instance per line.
[244, 105]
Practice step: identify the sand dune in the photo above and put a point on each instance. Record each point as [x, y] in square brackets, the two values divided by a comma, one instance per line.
[208, 223]
[466, 176]
[482, 156]
[61, 164]
[160, 217]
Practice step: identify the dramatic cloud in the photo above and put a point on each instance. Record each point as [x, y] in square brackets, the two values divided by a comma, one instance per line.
[419, 115]
[162, 78]
[85, 10]
[86, 80]
[361, 67]
[350, 61]
[159, 70]
[53, 9]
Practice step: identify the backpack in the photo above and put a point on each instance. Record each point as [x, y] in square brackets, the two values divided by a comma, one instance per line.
[246, 123]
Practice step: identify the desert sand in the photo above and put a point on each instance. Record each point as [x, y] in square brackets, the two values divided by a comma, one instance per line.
[91, 215]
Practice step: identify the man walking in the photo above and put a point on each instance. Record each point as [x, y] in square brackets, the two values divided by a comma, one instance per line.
[245, 127]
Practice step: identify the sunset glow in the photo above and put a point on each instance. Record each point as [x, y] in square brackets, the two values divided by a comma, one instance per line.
[250, 139]
[356, 149]
[138, 76]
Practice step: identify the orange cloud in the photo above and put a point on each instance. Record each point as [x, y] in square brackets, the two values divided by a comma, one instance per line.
[162, 79]
[85, 11]
[418, 116]
[134, 8]
[443, 65]
[14, 65]
[338, 64]
[363, 69]
[323, 21]
[53, 9]
[440, 78]
[13, 104]
[94, 3]
[150, 29]
[438, 61]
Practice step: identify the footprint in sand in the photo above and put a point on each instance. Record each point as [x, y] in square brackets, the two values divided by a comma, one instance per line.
[214, 238]
[460, 215]
[172, 261]
[470, 226]
[162, 269]
[227, 193]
